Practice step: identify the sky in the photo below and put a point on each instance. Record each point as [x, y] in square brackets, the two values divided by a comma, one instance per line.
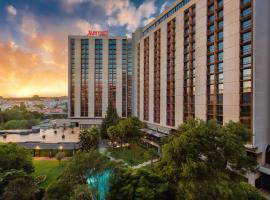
[33, 38]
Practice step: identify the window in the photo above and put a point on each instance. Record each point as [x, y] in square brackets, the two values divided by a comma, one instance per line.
[246, 12]
[246, 49]
[211, 59]
[246, 37]
[211, 18]
[246, 74]
[220, 3]
[220, 35]
[220, 67]
[246, 62]
[246, 98]
[247, 86]
[220, 46]
[211, 28]
[211, 69]
[220, 99]
[246, 24]
[245, 1]
[220, 56]
[220, 77]
[211, 38]
[212, 79]
[211, 48]
[211, 8]
[220, 24]
[220, 88]
[220, 13]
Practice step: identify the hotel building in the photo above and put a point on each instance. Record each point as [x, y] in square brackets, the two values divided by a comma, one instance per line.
[100, 72]
[207, 59]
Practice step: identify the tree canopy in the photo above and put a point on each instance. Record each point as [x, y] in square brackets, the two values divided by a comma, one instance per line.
[74, 178]
[89, 138]
[203, 157]
[126, 130]
[110, 119]
[139, 184]
[18, 117]
[15, 157]
[16, 167]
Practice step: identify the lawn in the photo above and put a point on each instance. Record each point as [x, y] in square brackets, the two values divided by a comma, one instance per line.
[132, 155]
[50, 168]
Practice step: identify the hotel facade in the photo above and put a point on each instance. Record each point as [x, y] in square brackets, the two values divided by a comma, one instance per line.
[100, 72]
[205, 59]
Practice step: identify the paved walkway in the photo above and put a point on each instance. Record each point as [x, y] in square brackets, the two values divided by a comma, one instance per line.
[144, 164]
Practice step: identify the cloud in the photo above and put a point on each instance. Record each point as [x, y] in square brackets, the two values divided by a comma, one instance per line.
[85, 26]
[111, 6]
[164, 6]
[11, 10]
[28, 26]
[24, 74]
[133, 17]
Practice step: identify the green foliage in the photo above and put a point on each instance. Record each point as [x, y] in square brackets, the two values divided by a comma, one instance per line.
[133, 155]
[20, 124]
[60, 156]
[114, 133]
[139, 184]
[59, 190]
[202, 155]
[22, 188]
[248, 192]
[81, 192]
[89, 138]
[18, 117]
[110, 119]
[15, 157]
[126, 130]
[36, 98]
[50, 168]
[81, 166]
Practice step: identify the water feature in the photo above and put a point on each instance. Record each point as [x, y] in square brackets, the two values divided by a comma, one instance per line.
[99, 183]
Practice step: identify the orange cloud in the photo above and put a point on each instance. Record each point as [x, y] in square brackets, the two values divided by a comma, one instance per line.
[26, 73]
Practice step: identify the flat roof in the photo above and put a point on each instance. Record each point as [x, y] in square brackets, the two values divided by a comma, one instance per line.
[154, 133]
[41, 145]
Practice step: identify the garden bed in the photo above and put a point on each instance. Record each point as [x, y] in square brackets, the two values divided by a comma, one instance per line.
[133, 155]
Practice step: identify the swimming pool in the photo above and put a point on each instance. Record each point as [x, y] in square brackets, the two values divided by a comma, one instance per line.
[99, 183]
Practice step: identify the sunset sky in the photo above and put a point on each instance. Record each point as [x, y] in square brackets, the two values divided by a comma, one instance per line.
[33, 38]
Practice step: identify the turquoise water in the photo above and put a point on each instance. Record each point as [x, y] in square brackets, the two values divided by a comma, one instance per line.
[101, 183]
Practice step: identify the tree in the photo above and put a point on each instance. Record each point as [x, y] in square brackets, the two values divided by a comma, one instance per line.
[36, 98]
[140, 184]
[113, 133]
[22, 188]
[202, 157]
[81, 192]
[82, 166]
[248, 192]
[110, 119]
[126, 130]
[15, 157]
[59, 190]
[89, 138]
[60, 156]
